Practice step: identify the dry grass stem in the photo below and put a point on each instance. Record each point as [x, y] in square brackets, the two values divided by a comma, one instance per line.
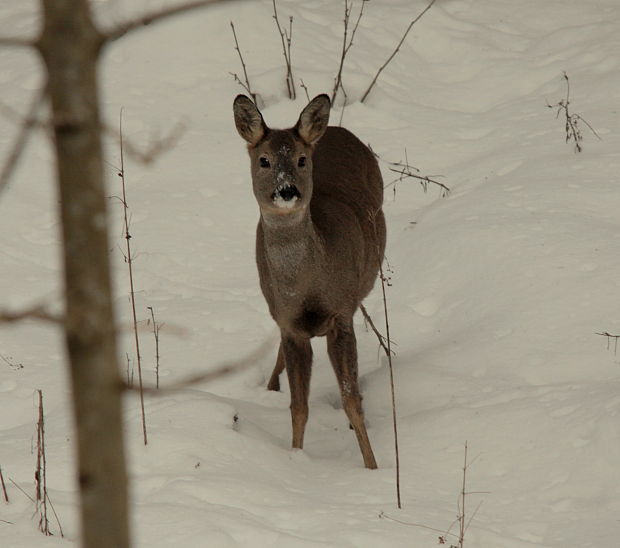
[156, 328]
[388, 352]
[131, 284]
[40, 475]
[245, 85]
[305, 88]
[4, 492]
[347, 42]
[147, 19]
[286, 37]
[571, 126]
[611, 337]
[461, 519]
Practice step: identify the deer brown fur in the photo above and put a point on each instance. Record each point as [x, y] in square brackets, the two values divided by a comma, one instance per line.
[319, 243]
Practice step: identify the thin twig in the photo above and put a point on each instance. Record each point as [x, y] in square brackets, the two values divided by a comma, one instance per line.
[473, 514]
[338, 78]
[344, 103]
[305, 88]
[462, 505]
[380, 337]
[24, 492]
[62, 535]
[245, 85]
[144, 20]
[131, 285]
[374, 80]
[406, 171]
[129, 378]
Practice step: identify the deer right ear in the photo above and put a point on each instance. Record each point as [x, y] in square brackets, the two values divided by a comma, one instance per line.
[249, 120]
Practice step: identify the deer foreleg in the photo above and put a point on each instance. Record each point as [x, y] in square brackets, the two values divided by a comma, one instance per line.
[297, 357]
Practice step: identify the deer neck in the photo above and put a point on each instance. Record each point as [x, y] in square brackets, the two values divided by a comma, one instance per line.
[293, 247]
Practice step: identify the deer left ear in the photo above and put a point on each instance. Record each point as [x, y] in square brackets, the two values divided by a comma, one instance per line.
[313, 119]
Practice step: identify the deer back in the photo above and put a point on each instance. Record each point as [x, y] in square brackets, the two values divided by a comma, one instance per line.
[346, 203]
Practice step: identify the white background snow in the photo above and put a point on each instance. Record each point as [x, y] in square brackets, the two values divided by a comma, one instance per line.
[497, 291]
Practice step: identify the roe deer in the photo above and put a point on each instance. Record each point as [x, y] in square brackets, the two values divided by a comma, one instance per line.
[319, 243]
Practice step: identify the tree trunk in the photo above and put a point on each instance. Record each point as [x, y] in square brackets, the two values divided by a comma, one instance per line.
[70, 45]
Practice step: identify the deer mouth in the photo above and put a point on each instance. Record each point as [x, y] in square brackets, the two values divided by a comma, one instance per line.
[285, 195]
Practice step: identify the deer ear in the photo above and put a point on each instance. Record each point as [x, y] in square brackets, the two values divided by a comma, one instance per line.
[313, 119]
[249, 120]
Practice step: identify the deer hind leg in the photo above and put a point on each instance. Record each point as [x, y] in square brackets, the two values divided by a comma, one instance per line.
[274, 380]
[297, 356]
[342, 350]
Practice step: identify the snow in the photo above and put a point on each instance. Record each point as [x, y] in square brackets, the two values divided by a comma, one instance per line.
[497, 291]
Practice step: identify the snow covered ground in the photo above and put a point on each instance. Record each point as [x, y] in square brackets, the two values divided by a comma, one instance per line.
[497, 291]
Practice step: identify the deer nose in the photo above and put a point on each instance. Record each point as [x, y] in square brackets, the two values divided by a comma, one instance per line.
[286, 192]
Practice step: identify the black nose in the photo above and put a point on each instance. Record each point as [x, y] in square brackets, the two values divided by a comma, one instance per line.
[286, 192]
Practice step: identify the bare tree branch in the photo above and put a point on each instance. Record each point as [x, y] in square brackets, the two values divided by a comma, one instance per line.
[10, 41]
[223, 370]
[156, 147]
[144, 20]
[374, 80]
[33, 313]
[27, 124]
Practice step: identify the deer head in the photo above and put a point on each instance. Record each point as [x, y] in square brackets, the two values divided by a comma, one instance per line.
[281, 160]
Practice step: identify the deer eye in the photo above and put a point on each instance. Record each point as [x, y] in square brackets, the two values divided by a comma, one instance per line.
[264, 162]
[301, 162]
